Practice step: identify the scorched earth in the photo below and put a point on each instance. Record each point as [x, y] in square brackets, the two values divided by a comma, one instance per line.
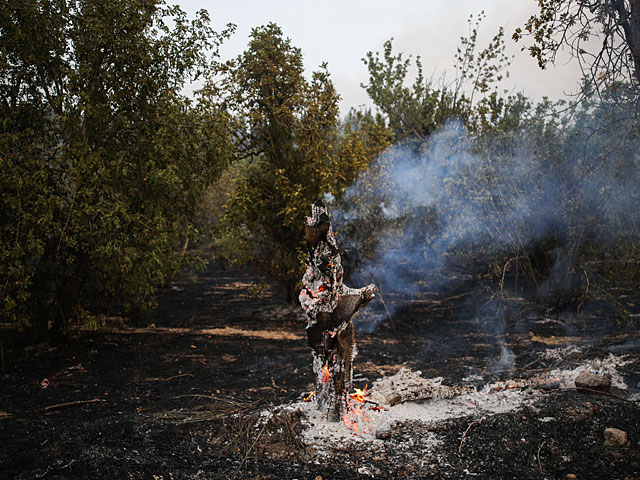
[214, 388]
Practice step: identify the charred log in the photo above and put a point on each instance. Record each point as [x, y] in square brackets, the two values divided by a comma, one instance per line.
[329, 306]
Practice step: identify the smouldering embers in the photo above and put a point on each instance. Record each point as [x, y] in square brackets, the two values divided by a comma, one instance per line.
[322, 279]
[364, 415]
[357, 414]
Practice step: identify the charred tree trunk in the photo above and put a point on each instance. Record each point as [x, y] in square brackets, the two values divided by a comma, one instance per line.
[329, 305]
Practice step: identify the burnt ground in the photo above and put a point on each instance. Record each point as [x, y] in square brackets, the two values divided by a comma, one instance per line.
[185, 397]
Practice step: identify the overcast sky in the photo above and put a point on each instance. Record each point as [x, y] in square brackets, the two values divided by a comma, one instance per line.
[342, 32]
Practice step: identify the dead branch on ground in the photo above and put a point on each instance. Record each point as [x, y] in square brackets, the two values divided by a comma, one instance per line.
[246, 455]
[68, 404]
[160, 380]
[464, 435]
[539, 462]
[219, 408]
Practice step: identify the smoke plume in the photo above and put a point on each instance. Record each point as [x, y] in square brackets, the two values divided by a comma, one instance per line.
[455, 208]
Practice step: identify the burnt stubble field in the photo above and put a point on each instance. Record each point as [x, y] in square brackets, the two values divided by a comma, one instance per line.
[213, 387]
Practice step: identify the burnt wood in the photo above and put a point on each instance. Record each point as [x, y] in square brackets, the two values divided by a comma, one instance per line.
[330, 306]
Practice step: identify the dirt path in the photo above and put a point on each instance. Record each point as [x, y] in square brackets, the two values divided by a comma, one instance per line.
[186, 397]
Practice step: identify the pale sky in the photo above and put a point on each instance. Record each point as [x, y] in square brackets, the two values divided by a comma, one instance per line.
[342, 32]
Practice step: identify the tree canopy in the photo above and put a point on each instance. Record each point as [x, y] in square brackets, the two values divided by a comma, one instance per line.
[103, 159]
[603, 35]
[109, 170]
[287, 140]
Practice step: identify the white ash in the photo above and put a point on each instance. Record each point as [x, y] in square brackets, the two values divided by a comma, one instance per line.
[473, 378]
[560, 353]
[546, 419]
[444, 404]
[322, 434]
[607, 366]
[493, 398]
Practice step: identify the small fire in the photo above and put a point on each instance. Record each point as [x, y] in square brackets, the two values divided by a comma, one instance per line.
[355, 416]
[315, 293]
[359, 394]
[325, 369]
[325, 380]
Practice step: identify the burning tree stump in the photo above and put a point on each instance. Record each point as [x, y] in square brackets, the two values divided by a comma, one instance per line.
[330, 306]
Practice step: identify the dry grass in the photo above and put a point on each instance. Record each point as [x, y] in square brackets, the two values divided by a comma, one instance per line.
[215, 407]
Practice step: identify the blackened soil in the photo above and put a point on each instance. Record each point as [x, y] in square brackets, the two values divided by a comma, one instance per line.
[184, 397]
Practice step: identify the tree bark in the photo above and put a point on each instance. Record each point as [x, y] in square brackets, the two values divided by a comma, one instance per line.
[630, 23]
[634, 37]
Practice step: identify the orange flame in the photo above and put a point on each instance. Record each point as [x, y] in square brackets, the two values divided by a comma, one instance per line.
[325, 369]
[355, 418]
[315, 293]
[309, 397]
[359, 394]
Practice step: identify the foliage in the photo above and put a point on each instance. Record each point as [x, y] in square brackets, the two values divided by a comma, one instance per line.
[603, 35]
[289, 153]
[103, 160]
[414, 111]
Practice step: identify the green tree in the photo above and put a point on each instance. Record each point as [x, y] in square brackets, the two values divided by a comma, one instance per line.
[412, 111]
[289, 150]
[416, 108]
[103, 160]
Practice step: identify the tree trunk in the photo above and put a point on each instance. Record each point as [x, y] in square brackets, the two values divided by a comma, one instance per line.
[629, 20]
[634, 36]
[330, 306]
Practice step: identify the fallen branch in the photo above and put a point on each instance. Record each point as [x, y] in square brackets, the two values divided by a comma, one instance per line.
[464, 435]
[217, 409]
[375, 404]
[68, 404]
[445, 300]
[296, 439]
[539, 462]
[217, 398]
[598, 392]
[160, 380]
